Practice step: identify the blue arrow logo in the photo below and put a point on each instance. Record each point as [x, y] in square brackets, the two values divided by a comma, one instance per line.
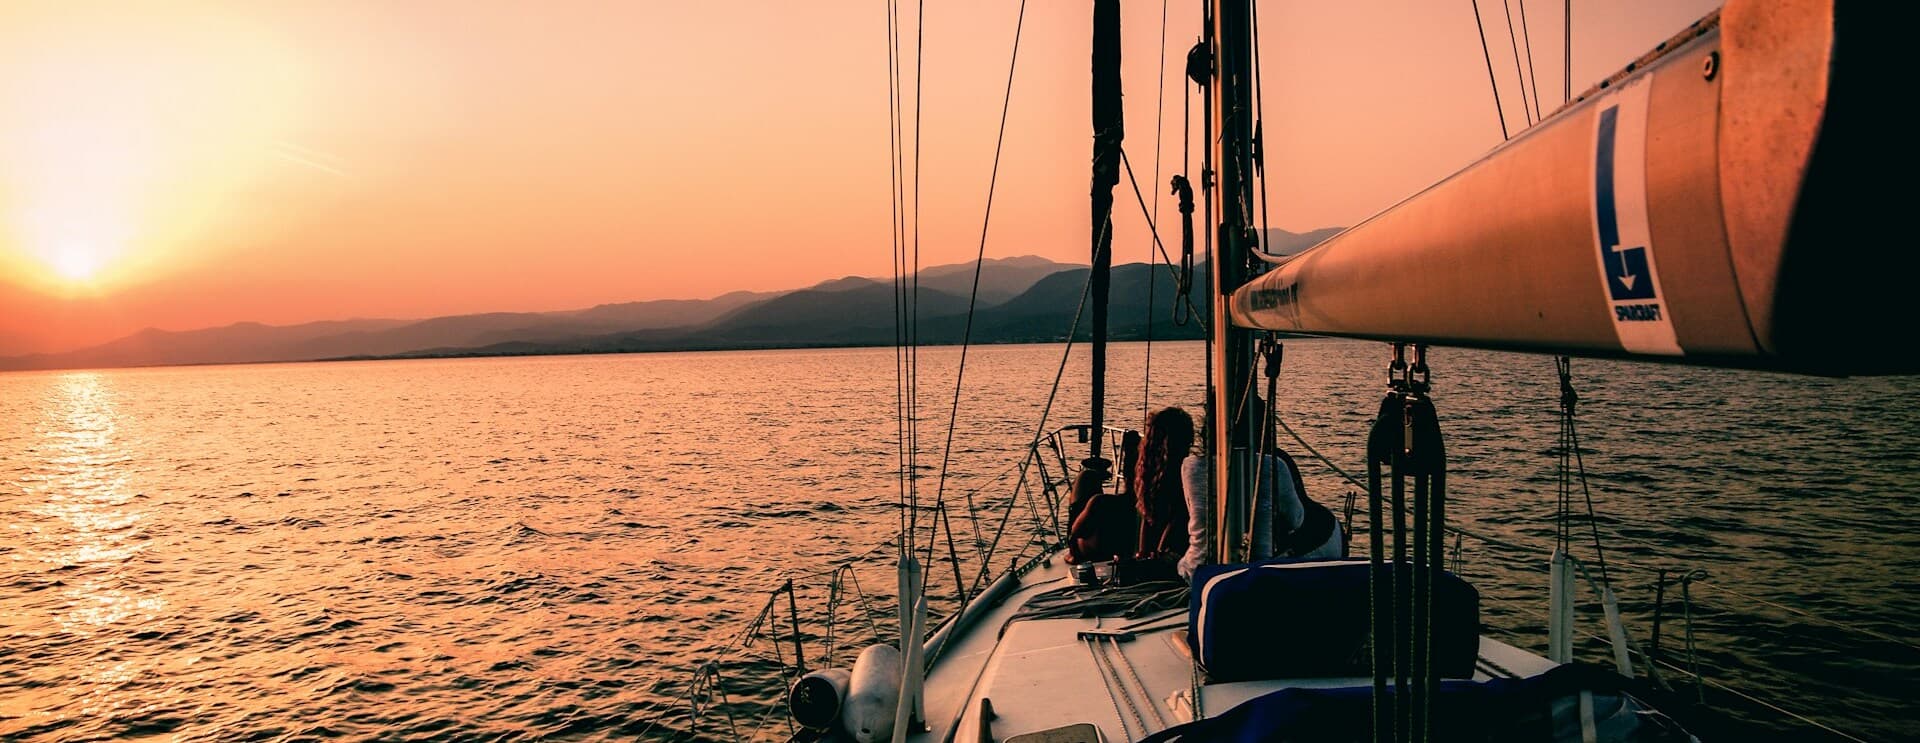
[1626, 266]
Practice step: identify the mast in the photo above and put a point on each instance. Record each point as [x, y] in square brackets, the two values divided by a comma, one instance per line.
[1231, 418]
[1108, 129]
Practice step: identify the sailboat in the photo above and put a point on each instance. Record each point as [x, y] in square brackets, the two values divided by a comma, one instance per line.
[1686, 210]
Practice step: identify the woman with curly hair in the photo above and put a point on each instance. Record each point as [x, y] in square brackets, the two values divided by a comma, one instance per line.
[1159, 487]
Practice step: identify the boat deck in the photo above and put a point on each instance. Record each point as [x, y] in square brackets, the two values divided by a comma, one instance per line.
[1040, 674]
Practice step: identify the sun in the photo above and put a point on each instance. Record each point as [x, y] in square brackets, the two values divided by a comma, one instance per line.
[131, 140]
[76, 262]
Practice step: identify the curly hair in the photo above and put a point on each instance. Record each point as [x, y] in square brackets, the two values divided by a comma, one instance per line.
[1167, 441]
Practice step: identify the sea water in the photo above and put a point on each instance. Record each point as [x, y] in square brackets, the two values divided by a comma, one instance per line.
[492, 549]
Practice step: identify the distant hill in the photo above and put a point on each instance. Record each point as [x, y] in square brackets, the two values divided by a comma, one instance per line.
[1026, 299]
[503, 327]
[1022, 298]
[253, 342]
[816, 316]
[1044, 312]
[741, 317]
[1282, 242]
[848, 312]
[231, 344]
[1000, 279]
[666, 313]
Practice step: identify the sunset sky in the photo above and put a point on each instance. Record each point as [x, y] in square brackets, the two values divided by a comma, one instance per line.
[186, 164]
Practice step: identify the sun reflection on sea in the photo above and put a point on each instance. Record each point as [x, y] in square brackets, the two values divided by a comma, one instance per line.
[90, 523]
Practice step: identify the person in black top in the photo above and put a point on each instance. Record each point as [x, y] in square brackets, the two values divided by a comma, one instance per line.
[1102, 523]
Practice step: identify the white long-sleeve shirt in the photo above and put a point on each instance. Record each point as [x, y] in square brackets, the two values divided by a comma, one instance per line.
[1275, 487]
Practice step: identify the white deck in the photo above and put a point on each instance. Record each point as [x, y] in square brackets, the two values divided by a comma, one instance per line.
[1040, 675]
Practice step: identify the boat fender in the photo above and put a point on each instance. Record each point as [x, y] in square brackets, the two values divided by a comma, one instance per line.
[815, 700]
[873, 694]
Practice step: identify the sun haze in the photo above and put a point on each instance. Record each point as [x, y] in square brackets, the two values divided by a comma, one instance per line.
[187, 164]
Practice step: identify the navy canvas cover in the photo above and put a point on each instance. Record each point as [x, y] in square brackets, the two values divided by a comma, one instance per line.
[1303, 619]
[1542, 708]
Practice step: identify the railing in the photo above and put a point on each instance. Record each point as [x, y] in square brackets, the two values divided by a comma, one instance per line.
[1056, 444]
[1049, 464]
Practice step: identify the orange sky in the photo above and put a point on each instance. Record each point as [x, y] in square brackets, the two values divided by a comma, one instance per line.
[200, 163]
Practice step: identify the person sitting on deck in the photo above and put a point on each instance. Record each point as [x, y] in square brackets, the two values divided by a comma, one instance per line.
[1102, 522]
[1309, 531]
[1285, 522]
[1158, 488]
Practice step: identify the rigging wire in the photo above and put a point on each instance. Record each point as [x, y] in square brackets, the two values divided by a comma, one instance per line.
[1186, 134]
[1261, 244]
[1571, 443]
[1498, 110]
[1868, 632]
[1533, 74]
[1534, 566]
[895, 173]
[913, 347]
[1764, 703]
[1513, 40]
[1259, 135]
[1207, 188]
[1566, 49]
[908, 300]
[1563, 474]
[1240, 408]
[953, 555]
[1153, 258]
[973, 296]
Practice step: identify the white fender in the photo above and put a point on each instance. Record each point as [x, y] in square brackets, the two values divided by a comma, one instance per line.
[873, 694]
[816, 699]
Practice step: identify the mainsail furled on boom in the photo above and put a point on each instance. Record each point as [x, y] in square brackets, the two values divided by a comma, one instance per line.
[1694, 207]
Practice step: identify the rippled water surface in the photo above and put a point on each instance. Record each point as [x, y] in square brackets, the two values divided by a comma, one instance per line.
[506, 548]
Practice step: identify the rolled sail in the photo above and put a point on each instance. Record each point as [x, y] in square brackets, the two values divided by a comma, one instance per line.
[1699, 207]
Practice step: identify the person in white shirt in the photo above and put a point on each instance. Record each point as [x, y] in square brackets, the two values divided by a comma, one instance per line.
[1285, 524]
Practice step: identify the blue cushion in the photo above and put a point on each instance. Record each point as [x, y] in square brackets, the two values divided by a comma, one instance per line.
[1309, 618]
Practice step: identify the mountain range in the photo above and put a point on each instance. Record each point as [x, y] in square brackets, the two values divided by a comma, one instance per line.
[1021, 299]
